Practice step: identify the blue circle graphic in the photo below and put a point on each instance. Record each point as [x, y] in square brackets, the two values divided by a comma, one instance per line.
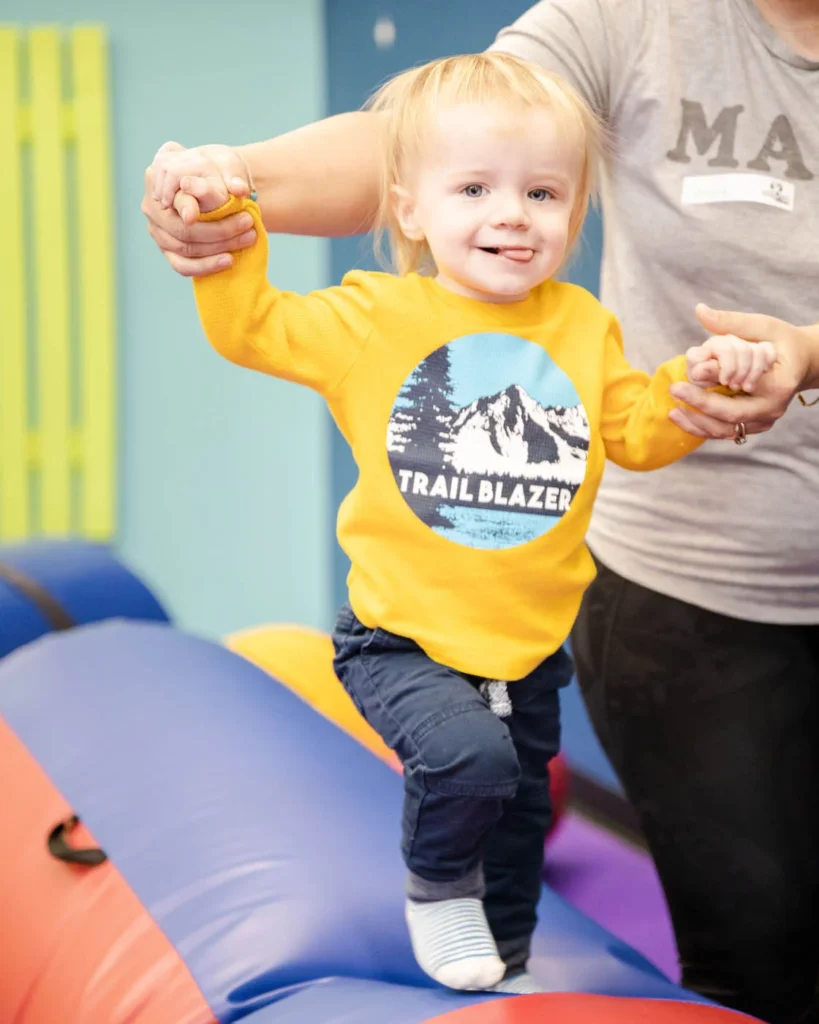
[488, 441]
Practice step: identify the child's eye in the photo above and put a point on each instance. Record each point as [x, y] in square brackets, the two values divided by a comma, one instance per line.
[473, 191]
[541, 194]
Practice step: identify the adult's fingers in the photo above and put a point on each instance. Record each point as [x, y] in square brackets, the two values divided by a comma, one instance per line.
[700, 425]
[685, 422]
[762, 410]
[750, 326]
[198, 250]
[226, 230]
[201, 266]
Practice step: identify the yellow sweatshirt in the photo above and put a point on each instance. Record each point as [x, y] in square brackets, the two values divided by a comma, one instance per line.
[480, 432]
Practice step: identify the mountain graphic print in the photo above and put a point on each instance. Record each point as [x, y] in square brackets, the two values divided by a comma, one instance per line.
[488, 441]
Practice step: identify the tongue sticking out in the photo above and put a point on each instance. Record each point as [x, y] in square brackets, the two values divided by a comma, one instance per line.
[517, 255]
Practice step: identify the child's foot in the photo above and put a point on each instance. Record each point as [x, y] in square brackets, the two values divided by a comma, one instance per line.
[453, 944]
[522, 984]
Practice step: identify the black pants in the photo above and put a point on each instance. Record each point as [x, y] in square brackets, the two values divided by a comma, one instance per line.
[712, 725]
[476, 786]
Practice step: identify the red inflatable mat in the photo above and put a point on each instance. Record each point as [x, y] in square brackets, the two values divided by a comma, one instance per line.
[76, 943]
[582, 1009]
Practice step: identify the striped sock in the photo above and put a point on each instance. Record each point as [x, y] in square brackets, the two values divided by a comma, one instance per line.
[522, 984]
[452, 943]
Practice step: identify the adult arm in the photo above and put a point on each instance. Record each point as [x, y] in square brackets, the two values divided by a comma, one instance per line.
[321, 179]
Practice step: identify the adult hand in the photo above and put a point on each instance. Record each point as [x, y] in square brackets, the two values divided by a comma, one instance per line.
[709, 414]
[191, 248]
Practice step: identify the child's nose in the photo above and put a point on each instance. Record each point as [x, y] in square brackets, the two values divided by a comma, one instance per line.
[511, 213]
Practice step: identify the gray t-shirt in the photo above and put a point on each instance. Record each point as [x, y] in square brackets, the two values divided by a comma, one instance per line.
[712, 196]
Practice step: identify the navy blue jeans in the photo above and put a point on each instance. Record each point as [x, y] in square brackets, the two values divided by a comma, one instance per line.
[476, 787]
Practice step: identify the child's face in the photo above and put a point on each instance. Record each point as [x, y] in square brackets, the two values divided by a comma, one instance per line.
[492, 193]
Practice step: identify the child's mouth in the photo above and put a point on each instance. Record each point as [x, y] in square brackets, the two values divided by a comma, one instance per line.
[518, 254]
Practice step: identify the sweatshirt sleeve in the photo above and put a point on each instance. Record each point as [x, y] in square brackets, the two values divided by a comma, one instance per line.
[311, 339]
[635, 426]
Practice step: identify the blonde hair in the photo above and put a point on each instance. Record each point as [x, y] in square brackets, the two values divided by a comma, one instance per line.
[409, 102]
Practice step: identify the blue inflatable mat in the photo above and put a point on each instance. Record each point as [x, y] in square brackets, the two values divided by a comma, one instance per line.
[51, 584]
[262, 839]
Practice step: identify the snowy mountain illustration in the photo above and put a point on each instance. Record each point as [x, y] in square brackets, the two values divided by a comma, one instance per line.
[510, 434]
[506, 434]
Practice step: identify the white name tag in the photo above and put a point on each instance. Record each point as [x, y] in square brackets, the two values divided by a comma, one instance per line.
[738, 188]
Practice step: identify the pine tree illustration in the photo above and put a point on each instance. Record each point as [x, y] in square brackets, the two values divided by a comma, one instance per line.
[424, 413]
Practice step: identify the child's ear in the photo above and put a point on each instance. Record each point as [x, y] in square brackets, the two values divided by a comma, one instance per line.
[403, 206]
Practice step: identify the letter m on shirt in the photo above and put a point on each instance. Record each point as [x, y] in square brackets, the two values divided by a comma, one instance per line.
[695, 127]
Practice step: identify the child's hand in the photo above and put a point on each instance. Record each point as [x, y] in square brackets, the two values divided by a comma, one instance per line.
[208, 188]
[730, 361]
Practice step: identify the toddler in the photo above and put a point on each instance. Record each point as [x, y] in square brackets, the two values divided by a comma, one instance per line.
[481, 398]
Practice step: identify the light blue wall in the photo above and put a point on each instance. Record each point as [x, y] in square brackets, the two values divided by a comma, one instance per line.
[223, 473]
